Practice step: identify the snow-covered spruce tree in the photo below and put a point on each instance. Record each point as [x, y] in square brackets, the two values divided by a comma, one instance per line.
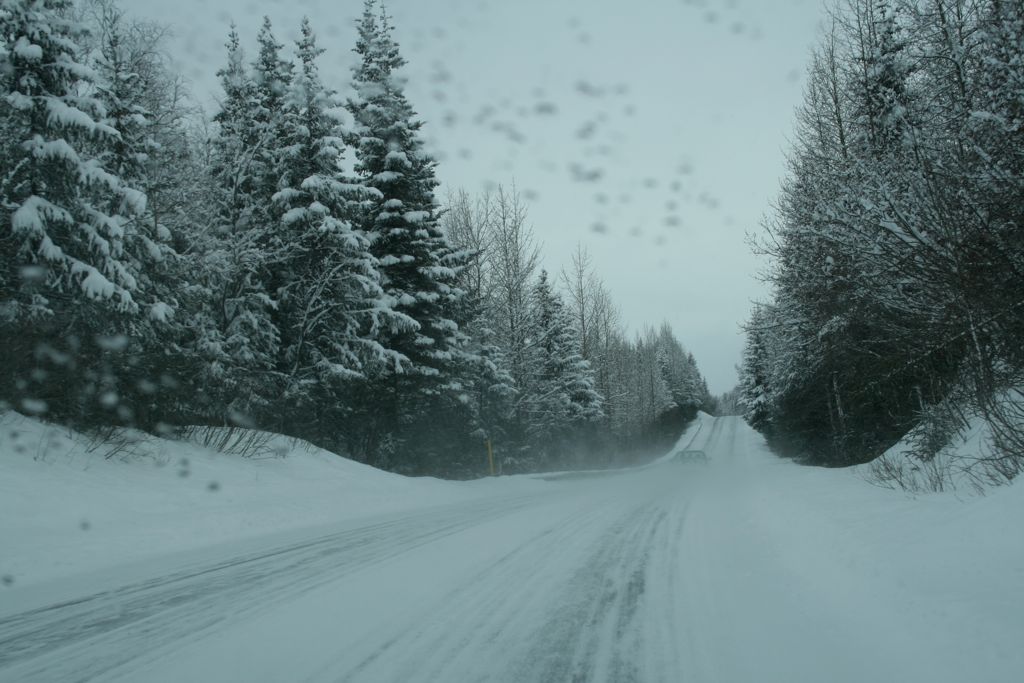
[561, 400]
[233, 330]
[754, 388]
[72, 255]
[155, 115]
[331, 309]
[684, 380]
[267, 115]
[419, 396]
[132, 83]
[235, 141]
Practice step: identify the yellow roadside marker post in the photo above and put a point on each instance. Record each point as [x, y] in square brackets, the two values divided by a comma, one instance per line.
[490, 456]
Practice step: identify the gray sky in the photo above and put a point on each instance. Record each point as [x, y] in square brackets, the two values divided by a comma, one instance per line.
[652, 131]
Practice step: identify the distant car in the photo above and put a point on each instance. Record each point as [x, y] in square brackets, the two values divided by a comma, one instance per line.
[688, 457]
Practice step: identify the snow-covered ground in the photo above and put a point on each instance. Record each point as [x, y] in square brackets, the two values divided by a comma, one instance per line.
[72, 506]
[313, 568]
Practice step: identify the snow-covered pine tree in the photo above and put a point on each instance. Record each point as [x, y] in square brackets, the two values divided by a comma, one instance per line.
[129, 76]
[233, 328]
[271, 80]
[755, 391]
[418, 265]
[561, 399]
[72, 258]
[681, 373]
[118, 90]
[331, 310]
[234, 142]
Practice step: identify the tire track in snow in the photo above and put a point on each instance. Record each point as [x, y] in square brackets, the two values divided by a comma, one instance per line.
[60, 642]
[445, 641]
[599, 631]
[586, 593]
[587, 598]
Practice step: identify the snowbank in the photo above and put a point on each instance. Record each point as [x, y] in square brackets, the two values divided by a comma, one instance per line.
[961, 443]
[917, 589]
[69, 504]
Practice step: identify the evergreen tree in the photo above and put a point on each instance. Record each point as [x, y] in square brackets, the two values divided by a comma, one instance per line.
[331, 308]
[233, 328]
[129, 76]
[271, 79]
[754, 389]
[561, 397]
[73, 259]
[418, 265]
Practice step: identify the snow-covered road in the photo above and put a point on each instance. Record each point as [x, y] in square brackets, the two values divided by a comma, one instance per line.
[656, 574]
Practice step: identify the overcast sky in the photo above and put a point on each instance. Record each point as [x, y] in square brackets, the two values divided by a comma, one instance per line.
[651, 131]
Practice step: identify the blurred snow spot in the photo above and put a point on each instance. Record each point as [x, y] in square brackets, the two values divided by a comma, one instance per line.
[587, 130]
[483, 114]
[34, 406]
[33, 273]
[240, 419]
[440, 74]
[708, 201]
[589, 89]
[114, 342]
[585, 175]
